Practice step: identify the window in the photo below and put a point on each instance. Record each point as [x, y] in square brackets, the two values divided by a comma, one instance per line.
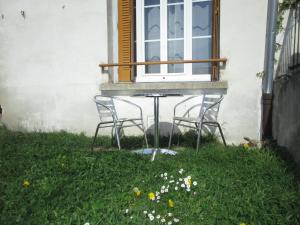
[172, 30]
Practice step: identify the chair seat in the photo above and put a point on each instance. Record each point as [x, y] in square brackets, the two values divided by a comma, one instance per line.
[188, 119]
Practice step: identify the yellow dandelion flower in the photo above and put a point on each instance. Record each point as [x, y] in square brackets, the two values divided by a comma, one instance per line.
[170, 203]
[190, 181]
[242, 224]
[138, 193]
[246, 146]
[26, 183]
[151, 196]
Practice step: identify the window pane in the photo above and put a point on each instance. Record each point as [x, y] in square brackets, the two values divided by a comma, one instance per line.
[174, 1]
[175, 52]
[152, 23]
[151, 2]
[152, 53]
[175, 21]
[202, 16]
[201, 50]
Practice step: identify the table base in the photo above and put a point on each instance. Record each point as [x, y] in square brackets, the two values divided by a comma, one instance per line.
[154, 152]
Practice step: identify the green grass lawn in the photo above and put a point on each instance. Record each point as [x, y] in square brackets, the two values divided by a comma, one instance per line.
[68, 184]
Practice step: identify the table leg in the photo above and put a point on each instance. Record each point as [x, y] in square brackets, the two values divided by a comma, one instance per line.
[156, 127]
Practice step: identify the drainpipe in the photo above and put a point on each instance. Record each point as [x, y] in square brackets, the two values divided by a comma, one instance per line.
[267, 82]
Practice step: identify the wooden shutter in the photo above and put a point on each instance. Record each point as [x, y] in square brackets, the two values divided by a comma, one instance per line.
[215, 39]
[125, 26]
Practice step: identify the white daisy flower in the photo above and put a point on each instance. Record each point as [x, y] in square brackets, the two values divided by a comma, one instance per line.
[158, 217]
[87, 224]
[177, 182]
[180, 179]
[162, 175]
[150, 216]
[166, 178]
[176, 188]
[158, 197]
[171, 181]
[170, 222]
[163, 220]
[182, 185]
[131, 217]
[165, 174]
[171, 176]
[163, 187]
[195, 183]
[188, 190]
[153, 212]
[189, 177]
[126, 211]
[157, 193]
[176, 220]
[170, 214]
[166, 190]
[145, 212]
[162, 191]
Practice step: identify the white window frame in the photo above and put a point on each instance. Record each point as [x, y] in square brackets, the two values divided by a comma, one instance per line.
[164, 76]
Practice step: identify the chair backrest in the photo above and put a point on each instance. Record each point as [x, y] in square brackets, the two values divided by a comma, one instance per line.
[106, 108]
[210, 107]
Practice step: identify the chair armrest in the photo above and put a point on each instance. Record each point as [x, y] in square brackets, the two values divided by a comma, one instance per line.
[130, 103]
[180, 103]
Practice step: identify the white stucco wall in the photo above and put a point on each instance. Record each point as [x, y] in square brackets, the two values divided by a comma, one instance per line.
[49, 72]
[48, 63]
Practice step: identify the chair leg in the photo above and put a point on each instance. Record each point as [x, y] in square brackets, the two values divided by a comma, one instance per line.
[199, 128]
[171, 134]
[221, 132]
[118, 137]
[96, 133]
[145, 135]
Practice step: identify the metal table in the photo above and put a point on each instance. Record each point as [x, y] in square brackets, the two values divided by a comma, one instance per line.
[156, 150]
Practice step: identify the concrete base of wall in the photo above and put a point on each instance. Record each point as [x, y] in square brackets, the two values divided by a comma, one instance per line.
[286, 115]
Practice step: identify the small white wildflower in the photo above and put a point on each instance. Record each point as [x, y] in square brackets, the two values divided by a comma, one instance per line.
[176, 188]
[150, 216]
[177, 182]
[168, 186]
[171, 181]
[163, 187]
[189, 177]
[126, 211]
[162, 191]
[180, 179]
[157, 193]
[153, 212]
[163, 220]
[158, 197]
[87, 224]
[171, 176]
[195, 183]
[176, 220]
[145, 212]
[188, 190]
[195, 193]
[170, 214]
[166, 190]
[170, 222]
[182, 185]
[158, 217]
[131, 217]
[158, 201]
[166, 178]
[165, 174]
[161, 175]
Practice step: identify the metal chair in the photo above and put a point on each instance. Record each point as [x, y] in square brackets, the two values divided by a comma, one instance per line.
[109, 118]
[207, 115]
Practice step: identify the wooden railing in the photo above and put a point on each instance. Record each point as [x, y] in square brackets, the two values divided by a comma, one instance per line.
[220, 60]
